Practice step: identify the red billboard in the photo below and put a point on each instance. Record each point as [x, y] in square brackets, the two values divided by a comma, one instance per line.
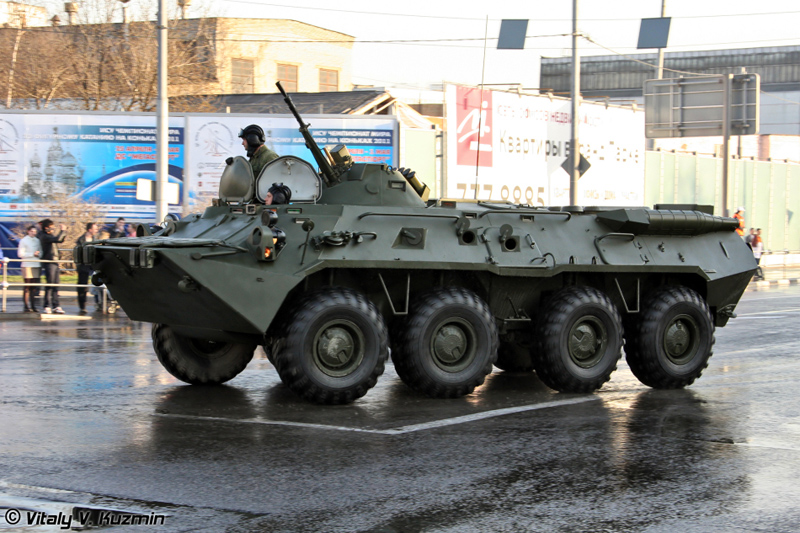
[474, 133]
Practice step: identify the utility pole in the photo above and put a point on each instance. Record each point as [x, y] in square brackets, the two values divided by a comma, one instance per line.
[162, 111]
[661, 50]
[575, 95]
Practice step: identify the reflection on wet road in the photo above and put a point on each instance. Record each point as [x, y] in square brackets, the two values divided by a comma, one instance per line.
[89, 417]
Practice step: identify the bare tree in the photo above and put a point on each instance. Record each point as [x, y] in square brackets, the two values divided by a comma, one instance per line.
[107, 65]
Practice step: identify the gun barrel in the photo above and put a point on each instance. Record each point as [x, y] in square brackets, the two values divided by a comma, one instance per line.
[324, 166]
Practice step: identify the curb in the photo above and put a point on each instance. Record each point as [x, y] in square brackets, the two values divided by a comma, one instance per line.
[772, 283]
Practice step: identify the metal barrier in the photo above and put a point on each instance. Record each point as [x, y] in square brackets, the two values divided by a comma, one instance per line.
[5, 285]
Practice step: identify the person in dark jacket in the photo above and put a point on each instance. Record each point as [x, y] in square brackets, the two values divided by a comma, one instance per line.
[119, 229]
[52, 273]
[84, 271]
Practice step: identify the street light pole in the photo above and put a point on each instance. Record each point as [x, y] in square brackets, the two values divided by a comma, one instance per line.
[575, 95]
[162, 111]
[661, 50]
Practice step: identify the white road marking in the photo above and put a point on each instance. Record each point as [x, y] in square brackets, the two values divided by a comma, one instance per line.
[393, 431]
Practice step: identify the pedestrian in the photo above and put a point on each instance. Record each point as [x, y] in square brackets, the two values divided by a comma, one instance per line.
[52, 271]
[758, 250]
[85, 271]
[30, 247]
[258, 154]
[749, 239]
[118, 230]
[739, 215]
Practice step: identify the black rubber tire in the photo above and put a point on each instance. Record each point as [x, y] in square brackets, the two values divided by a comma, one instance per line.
[197, 361]
[332, 319]
[433, 371]
[578, 340]
[513, 357]
[671, 339]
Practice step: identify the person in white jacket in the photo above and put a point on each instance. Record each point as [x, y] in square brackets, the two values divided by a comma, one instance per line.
[30, 247]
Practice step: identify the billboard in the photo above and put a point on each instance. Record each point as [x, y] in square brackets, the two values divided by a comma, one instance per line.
[212, 139]
[505, 146]
[94, 157]
[100, 157]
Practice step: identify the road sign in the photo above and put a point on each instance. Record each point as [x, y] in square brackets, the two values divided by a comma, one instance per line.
[654, 33]
[583, 166]
[700, 106]
[512, 34]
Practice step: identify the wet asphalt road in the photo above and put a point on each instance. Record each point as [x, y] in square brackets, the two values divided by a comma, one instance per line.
[88, 416]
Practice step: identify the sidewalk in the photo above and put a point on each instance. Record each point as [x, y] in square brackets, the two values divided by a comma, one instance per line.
[69, 303]
[777, 276]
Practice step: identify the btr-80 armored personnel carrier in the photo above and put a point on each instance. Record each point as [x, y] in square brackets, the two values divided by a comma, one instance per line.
[362, 261]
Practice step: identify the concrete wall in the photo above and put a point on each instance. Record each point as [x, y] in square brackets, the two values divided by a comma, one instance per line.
[768, 190]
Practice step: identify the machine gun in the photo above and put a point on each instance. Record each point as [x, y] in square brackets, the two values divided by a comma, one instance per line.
[328, 174]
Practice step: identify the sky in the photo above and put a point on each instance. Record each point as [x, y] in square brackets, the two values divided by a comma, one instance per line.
[419, 43]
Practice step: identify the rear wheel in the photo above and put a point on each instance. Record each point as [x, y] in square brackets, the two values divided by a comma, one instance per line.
[671, 340]
[335, 347]
[198, 361]
[447, 345]
[579, 339]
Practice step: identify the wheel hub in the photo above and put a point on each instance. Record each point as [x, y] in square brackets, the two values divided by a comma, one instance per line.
[207, 348]
[680, 339]
[450, 344]
[336, 346]
[587, 341]
[339, 348]
[453, 345]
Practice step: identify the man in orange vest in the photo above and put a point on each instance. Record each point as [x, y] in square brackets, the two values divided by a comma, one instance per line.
[740, 216]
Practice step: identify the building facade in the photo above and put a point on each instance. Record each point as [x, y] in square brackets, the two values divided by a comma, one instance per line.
[621, 80]
[250, 55]
[17, 15]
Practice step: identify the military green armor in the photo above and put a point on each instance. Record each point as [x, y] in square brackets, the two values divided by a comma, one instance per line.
[361, 260]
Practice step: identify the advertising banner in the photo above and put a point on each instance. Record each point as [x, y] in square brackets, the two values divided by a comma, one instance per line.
[99, 157]
[509, 147]
[213, 139]
[94, 157]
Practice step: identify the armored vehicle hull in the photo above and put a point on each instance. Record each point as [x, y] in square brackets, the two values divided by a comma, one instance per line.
[360, 262]
[556, 290]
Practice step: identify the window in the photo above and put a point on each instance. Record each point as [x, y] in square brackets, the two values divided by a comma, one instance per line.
[242, 76]
[287, 75]
[328, 80]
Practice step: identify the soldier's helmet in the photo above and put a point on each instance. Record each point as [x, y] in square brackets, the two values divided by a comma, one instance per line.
[281, 194]
[253, 134]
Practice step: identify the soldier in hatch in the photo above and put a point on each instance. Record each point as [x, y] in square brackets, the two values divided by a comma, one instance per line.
[258, 154]
[278, 194]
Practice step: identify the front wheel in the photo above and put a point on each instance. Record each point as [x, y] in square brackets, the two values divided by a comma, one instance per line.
[671, 340]
[198, 361]
[334, 349]
[579, 338]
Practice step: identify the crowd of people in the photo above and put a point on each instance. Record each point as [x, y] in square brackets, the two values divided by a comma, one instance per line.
[753, 239]
[39, 256]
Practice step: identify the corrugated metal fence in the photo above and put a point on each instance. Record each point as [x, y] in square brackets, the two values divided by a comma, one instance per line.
[768, 190]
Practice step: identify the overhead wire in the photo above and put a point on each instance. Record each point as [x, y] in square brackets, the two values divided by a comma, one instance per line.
[481, 19]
